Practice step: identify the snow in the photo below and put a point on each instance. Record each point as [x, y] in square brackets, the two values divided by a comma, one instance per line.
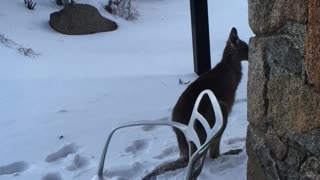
[58, 107]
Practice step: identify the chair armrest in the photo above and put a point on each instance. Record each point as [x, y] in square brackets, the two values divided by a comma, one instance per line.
[161, 122]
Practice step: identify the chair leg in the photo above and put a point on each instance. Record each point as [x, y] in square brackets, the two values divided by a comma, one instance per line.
[197, 172]
[182, 162]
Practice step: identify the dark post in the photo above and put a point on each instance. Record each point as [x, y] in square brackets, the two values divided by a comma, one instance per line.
[200, 36]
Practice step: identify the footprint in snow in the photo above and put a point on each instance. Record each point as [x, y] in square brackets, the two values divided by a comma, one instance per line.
[62, 153]
[235, 140]
[148, 127]
[224, 163]
[70, 159]
[137, 146]
[52, 176]
[167, 152]
[130, 172]
[62, 111]
[77, 162]
[14, 168]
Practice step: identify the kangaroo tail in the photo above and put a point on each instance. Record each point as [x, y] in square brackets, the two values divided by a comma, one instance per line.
[171, 166]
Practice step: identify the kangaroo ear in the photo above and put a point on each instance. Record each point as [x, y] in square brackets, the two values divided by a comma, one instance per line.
[233, 37]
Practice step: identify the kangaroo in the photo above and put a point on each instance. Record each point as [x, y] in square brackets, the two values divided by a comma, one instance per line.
[223, 81]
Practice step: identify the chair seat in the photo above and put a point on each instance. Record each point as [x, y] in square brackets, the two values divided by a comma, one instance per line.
[196, 157]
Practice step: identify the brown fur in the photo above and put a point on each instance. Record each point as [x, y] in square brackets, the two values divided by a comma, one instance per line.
[223, 81]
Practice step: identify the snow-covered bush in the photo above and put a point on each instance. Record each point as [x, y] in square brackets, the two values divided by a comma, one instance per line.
[64, 2]
[30, 4]
[122, 8]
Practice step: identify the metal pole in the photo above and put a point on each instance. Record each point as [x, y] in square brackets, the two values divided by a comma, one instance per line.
[200, 36]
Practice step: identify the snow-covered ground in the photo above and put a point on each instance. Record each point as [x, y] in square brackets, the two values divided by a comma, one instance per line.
[57, 108]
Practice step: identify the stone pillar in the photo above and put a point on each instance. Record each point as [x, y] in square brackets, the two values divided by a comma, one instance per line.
[283, 138]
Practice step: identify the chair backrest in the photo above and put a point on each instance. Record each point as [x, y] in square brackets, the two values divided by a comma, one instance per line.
[196, 157]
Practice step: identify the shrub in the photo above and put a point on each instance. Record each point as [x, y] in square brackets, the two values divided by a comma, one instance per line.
[30, 4]
[64, 2]
[122, 8]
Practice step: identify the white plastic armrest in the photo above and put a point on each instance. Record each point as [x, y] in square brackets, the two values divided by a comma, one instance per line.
[177, 125]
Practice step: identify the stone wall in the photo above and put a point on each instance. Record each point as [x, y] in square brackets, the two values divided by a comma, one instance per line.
[283, 139]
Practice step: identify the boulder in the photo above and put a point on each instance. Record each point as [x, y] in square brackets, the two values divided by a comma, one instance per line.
[283, 139]
[265, 17]
[80, 19]
[312, 62]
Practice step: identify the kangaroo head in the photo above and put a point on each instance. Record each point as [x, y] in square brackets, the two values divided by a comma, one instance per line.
[237, 47]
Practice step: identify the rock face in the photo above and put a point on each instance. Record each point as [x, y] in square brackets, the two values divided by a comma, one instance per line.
[283, 139]
[312, 61]
[80, 19]
[267, 16]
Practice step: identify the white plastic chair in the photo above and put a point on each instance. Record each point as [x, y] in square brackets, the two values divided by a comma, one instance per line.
[196, 158]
